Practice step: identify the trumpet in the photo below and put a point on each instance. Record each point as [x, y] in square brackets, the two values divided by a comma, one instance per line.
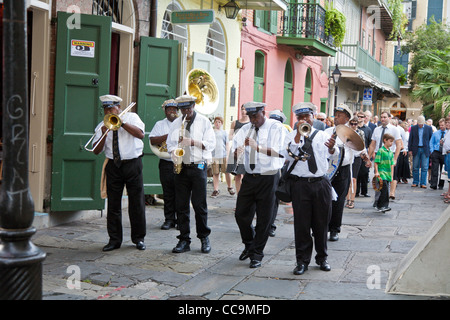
[304, 129]
[111, 122]
[236, 165]
[179, 152]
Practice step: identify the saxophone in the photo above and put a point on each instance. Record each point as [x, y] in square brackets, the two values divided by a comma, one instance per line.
[179, 152]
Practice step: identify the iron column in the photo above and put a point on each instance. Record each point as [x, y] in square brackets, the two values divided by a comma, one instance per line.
[20, 259]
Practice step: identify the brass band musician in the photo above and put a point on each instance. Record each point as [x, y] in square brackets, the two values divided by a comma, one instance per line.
[158, 137]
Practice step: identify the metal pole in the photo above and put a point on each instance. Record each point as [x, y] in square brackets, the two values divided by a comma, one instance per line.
[20, 259]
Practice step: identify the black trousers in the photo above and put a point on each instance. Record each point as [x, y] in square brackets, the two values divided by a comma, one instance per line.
[311, 202]
[383, 199]
[257, 195]
[130, 175]
[190, 187]
[167, 178]
[437, 162]
[341, 183]
[362, 179]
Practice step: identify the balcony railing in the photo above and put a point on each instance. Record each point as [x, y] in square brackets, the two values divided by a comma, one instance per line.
[354, 57]
[305, 20]
[110, 8]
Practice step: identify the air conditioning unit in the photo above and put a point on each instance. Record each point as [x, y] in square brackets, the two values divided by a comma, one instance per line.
[354, 96]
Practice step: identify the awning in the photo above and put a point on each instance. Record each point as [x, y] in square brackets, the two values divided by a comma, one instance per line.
[379, 85]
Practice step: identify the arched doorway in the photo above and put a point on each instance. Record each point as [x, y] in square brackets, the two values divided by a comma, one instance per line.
[288, 90]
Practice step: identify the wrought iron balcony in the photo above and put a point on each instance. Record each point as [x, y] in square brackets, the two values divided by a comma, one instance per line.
[303, 27]
[109, 8]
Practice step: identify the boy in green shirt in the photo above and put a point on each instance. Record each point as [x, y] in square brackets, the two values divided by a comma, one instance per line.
[384, 168]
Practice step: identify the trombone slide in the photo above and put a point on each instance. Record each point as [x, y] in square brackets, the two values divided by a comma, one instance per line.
[112, 122]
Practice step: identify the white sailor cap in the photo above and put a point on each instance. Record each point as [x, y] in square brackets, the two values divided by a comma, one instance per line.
[109, 100]
[277, 115]
[170, 103]
[344, 108]
[185, 101]
[253, 107]
[304, 107]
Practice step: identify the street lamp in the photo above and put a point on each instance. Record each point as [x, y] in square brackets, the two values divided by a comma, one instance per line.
[336, 75]
[231, 9]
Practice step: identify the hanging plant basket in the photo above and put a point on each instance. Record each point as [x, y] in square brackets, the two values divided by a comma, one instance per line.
[335, 26]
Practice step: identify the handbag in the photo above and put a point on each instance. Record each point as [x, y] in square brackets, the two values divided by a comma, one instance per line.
[283, 191]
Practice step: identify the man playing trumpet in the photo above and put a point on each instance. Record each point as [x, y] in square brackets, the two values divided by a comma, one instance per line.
[158, 137]
[123, 147]
[310, 187]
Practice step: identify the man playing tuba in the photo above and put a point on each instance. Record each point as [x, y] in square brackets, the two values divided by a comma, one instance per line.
[158, 137]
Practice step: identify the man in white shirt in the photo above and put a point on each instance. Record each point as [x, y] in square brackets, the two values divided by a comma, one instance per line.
[377, 142]
[124, 149]
[157, 137]
[311, 189]
[198, 141]
[261, 141]
[341, 180]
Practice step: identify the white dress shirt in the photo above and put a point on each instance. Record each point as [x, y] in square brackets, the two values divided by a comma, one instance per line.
[161, 128]
[348, 155]
[130, 147]
[321, 154]
[271, 135]
[376, 135]
[201, 130]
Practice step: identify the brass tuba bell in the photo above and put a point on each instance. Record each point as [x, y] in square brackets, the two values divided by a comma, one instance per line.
[201, 85]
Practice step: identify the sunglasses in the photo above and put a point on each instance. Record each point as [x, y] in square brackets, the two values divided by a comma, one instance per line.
[353, 124]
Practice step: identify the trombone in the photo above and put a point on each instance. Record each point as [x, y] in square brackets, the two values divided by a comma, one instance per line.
[111, 122]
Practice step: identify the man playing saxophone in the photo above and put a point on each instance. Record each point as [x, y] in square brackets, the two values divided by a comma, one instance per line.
[197, 140]
[123, 147]
[158, 138]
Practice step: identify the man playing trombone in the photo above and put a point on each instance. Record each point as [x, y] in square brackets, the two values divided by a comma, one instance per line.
[123, 147]
[260, 143]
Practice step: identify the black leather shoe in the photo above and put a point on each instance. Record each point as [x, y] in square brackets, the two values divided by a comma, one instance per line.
[300, 269]
[206, 246]
[167, 225]
[244, 255]
[182, 246]
[334, 236]
[140, 245]
[366, 195]
[111, 246]
[324, 265]
[255, 263]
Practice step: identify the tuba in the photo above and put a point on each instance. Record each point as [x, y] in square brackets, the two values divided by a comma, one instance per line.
[201, 85]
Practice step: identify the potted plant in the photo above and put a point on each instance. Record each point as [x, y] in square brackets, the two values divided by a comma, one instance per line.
[335, 25]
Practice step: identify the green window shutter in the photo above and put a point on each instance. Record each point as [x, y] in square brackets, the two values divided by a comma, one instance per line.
[273, 21]
[258, 17]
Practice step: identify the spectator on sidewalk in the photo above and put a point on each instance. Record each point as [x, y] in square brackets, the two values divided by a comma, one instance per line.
[384, 168]
[219, 158]
[436, 156]
[419, 148]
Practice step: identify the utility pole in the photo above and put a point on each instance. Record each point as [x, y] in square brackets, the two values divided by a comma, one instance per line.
[20, 259]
